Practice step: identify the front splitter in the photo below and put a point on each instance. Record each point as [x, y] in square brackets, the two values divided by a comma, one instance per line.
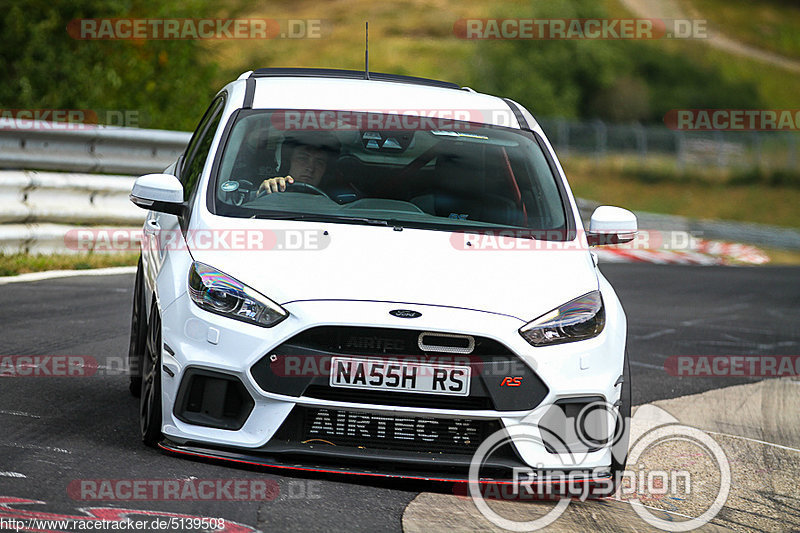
[280, 461]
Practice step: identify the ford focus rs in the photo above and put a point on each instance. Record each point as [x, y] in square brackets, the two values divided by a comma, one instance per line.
[374, 275]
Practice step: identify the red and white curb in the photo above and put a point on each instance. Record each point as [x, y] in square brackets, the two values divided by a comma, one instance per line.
[702, 253]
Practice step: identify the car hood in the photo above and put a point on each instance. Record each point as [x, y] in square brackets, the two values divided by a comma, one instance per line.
[291, 261]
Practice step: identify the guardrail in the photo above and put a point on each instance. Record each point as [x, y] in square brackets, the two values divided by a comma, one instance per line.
[28, 197]
[688, 149]
[89, 148]
[37, 209]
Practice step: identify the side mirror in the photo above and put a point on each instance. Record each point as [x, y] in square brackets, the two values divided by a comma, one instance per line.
[159, 192]
[611, 225]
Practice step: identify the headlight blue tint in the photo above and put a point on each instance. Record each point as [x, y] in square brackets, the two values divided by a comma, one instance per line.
[219, 293]
[579, 319]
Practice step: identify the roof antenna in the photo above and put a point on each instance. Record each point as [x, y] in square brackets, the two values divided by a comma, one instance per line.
[366, 50]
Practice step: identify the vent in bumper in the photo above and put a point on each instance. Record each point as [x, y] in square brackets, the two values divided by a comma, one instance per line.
[211, 399]
[575, 425]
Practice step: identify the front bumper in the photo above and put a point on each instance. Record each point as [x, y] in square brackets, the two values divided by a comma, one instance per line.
[203, 342]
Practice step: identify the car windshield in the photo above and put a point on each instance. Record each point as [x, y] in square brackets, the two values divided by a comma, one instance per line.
[386, 169]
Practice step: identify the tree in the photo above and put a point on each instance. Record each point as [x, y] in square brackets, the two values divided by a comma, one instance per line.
[619, 80]
[167, 84]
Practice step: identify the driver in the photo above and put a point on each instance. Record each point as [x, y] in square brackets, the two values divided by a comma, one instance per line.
[308, 160]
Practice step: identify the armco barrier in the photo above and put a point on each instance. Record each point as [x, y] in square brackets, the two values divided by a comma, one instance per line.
[29, 196]
[38, 208]
[87, 148]
[37, 238]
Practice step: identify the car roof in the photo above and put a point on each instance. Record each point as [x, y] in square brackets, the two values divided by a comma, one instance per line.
[348, 90]
[348, 74]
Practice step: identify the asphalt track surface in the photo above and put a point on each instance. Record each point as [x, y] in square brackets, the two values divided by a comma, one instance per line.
[54, 431]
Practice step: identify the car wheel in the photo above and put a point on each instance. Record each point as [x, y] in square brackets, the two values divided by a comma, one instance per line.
[150, 400]
[138, 333]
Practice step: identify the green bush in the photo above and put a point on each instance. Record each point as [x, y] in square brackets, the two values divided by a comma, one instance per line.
[168, 84]
[616, 80]
[772, 178]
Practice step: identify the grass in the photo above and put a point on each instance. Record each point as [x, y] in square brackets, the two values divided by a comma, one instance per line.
[416, 37]
[406, 37]
[21, 263]
[656, 187]
[777, 87]
[769, 25]
[781, 257]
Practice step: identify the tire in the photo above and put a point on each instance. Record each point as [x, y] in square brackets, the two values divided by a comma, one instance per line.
[150, 399]
[138, 333]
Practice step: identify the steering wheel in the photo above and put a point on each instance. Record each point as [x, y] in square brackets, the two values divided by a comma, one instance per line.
[300, 186]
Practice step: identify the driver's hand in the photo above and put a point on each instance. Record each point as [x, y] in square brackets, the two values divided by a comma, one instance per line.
[272, 185]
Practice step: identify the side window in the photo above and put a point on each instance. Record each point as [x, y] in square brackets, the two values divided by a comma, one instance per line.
[199, 146]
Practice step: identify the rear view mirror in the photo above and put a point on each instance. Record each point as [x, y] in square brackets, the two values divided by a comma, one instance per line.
[158, 192]
[611, 225]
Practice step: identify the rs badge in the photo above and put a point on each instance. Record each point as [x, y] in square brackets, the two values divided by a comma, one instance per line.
[511, 382]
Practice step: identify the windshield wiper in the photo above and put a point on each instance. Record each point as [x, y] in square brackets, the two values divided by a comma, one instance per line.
[324, 218]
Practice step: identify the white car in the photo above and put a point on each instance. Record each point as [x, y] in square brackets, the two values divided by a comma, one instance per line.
[373, 275]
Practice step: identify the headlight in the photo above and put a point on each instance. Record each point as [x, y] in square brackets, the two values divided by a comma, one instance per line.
[579, 319]
[219, 293]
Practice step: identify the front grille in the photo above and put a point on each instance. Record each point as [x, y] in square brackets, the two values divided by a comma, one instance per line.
[301, 365]
[385, 431]
[356, 340]
[406, 399]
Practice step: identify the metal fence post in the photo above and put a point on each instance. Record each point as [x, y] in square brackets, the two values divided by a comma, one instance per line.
[757, 149]
[641, 140]
[680, 149]
[719, 143]
[601, 137]
[562, 132]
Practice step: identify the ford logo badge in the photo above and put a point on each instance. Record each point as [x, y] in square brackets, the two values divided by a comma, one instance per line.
[405, 313]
